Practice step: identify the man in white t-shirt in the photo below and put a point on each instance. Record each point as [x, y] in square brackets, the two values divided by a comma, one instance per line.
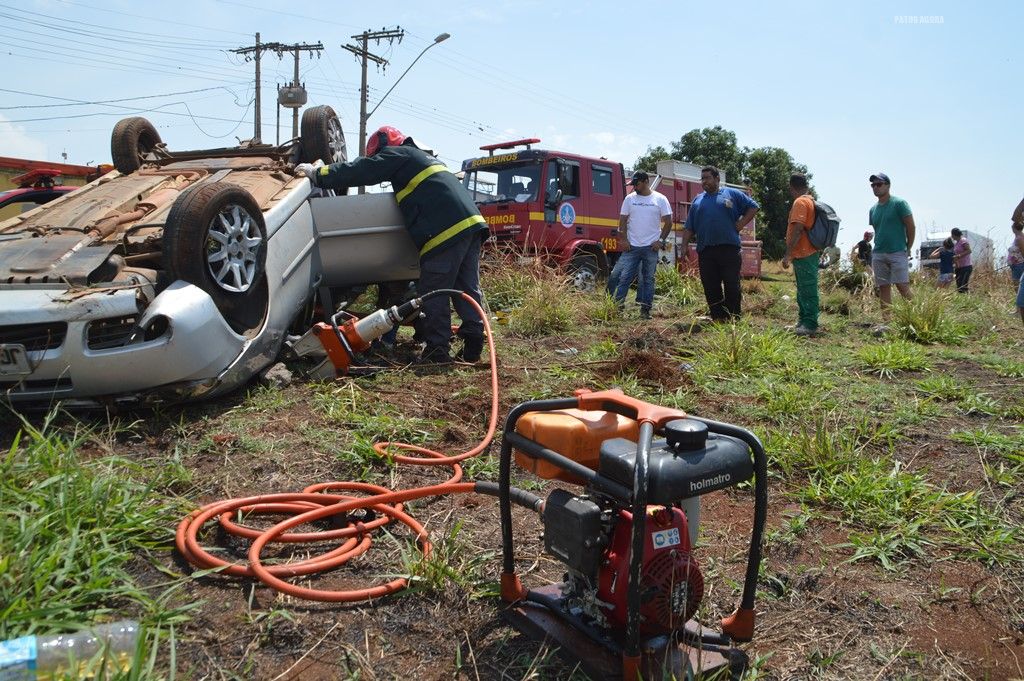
[644, 223]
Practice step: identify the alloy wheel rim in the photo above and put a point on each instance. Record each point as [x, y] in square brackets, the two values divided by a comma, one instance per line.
[232, 249]
[336, 140]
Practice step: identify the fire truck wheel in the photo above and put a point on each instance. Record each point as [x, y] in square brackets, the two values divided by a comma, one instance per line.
[584, 270]
[130, 142]
[215, 237]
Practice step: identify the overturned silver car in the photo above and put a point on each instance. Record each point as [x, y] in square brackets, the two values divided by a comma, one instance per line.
[180, 274]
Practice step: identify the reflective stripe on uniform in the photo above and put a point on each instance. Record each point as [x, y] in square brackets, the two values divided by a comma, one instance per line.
[419, 177]
[452, 231]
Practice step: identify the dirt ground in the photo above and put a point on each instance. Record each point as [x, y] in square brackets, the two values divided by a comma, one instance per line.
[818, 616]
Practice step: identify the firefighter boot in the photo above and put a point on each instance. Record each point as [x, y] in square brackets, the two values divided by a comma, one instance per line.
[434, 354]
[472, 347]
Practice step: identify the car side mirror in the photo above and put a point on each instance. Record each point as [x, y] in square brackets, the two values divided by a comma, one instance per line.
[554, 197]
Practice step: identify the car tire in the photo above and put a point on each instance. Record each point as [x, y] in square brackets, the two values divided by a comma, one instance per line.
[215, 237]
[322, 136]
[132, 139]
[583, 272]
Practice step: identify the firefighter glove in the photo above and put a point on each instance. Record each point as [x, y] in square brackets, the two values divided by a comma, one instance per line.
[306, 169]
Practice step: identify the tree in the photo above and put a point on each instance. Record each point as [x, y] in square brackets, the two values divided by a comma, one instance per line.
[712, 146]
[769, 169]
[649, 161]
[766, 170]
[708, 146]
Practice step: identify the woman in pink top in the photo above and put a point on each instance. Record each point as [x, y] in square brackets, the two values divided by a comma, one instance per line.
[962, 266]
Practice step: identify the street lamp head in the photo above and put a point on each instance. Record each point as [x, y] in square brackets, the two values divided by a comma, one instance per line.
[438, 39]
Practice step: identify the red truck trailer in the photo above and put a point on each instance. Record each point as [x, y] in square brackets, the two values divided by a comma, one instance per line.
[565, 207]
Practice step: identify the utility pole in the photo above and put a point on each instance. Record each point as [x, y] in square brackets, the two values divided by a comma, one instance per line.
[255, 51]
[295, 85]
[363, 52]
[280, 48]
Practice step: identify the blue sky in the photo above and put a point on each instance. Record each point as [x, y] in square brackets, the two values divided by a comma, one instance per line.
[928, 92]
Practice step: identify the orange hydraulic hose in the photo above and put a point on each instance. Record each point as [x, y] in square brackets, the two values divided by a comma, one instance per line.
[251, 533]
[315, 504]
[437, 458]
[267, 576]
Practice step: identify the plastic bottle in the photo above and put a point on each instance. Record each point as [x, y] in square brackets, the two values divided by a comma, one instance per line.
[40, 658]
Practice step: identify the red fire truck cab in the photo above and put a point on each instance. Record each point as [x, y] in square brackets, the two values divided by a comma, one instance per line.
[565, 207]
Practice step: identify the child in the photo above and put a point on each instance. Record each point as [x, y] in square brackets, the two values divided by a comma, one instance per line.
[945, 256]
[1014, 256]
[1018, 241]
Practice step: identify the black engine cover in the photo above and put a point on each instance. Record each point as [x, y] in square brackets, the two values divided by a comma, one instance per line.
[572, 531]
[696, 462]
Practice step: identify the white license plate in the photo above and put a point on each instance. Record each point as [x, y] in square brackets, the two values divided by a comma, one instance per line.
[14, 360]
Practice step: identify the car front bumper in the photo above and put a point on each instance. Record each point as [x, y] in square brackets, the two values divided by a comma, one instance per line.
[189, 344]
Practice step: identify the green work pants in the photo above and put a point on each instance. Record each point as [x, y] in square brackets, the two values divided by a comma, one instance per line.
[806, 271]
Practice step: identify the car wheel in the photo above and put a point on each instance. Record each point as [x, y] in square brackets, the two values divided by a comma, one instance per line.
[215, 237]
[322, 137]
[583, 270]
[132, 139]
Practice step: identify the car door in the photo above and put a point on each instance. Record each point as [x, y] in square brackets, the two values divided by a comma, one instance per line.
[362, 239]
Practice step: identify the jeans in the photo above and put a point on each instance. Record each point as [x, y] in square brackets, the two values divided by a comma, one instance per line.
[720, 277]
[639, 262]
[613, 277]
[963, 278]
[806, 271]
[454, 267]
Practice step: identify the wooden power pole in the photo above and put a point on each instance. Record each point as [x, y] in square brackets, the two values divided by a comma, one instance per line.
[362, 51]
[280, 48]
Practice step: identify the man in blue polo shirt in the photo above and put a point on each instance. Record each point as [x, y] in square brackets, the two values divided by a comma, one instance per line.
[716, 218]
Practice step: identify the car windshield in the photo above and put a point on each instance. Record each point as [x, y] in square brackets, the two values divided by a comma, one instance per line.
[513, 182]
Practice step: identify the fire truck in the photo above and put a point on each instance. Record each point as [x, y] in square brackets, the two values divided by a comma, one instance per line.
[565, 207]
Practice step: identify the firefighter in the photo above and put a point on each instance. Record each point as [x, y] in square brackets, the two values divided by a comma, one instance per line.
[444, 224]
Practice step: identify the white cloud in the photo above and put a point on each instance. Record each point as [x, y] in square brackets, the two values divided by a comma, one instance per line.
[17, 143]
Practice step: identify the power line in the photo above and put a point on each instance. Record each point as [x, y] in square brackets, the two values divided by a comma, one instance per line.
[121, 108]
[97, 62]
[161, 20]
[102, 101]
[109, 32]
[160, 57]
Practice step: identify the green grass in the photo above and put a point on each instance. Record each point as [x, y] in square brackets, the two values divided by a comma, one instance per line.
[673, 288]
[930, 317]
[546, 309]
[943, 387]
[453, 561]
[860, 433]
[888, 359]
[1004, 366]
[742, 349]
[73, 529]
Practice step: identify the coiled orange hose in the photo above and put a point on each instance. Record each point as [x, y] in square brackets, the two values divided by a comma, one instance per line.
[314, 503]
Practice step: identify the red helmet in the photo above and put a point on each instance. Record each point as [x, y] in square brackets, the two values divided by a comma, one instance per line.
[384, 137]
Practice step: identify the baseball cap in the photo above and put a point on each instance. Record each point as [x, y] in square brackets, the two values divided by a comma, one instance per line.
[880, 177]
[640, 176]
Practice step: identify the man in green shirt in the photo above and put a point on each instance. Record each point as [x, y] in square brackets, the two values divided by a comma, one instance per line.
[894, 237]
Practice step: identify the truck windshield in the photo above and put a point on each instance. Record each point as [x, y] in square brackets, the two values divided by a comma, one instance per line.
[514, 182]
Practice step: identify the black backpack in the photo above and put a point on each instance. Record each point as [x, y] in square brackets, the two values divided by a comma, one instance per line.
[825, 229]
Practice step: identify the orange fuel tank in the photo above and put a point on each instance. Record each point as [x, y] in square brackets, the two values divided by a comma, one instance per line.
[573, 433]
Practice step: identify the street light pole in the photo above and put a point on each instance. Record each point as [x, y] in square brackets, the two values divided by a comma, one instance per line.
[439, 39]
